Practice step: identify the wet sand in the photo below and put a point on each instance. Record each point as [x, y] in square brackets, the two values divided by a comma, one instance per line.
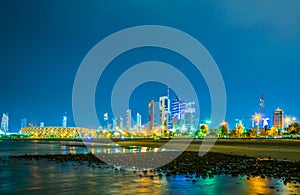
[281, 149]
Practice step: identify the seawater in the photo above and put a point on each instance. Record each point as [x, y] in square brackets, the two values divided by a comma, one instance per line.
[48, 177]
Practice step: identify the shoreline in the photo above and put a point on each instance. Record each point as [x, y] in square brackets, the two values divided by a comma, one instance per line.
[281, 149]
[190, 163]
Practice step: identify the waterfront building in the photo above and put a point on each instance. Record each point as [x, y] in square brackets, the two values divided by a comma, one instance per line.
[58, 132]
[190, 116]
[278, 119]
[5, 122]
[164, 109]
[105, 118]
[23, 122]
[138, 122]
[238, 122]
[151, 116]
[114, 123]
[128, 120]
[120, 122]
[64, 121]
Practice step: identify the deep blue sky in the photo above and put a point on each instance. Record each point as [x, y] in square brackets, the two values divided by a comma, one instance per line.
[42, 43]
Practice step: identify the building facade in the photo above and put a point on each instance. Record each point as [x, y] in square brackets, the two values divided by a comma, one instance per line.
[5, 122]
[64, 121]
[120, 122]
[138, 122]
[278, 119]
[151, 115]
[128, 120]
[165, 112]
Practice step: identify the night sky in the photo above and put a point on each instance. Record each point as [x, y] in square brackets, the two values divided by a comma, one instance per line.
[42, 43]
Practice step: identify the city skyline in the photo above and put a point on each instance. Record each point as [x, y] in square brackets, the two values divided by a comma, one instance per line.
[42, 48]
[174, 110]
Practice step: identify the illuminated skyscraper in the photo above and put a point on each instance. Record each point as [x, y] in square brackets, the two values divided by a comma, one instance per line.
[165, 112]
[105, 118]
[151, 115]
[262, 105]
[23, 122]
[278, 119]
[120, 122]
[138, 122]
[114, 123]
[64, 121]
[128, 120]
[175, 109]
[4, 122]
[190, 116]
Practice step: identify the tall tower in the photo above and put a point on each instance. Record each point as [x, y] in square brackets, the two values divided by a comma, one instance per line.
[4, 122]
[164, 108]
[120, 122]
[64, 121]
[262, 105]
[278, 119]
[138, 122]
[175, 109]
[105, 118]
[23, 122]
[128, 120]
[151, 115]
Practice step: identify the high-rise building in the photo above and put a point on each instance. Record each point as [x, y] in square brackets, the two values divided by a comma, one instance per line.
[262, 105]
[114, 123]
[190, 116]
[151, 115]
[23, 122]
[64, 121]
[165, 112]
[180, 111]
[4, 122]
[138, 122]
[120, 122]
[175, 109]
[105, 118]
[42, 124]
[128, 120]
[278, 119]
[238, 122]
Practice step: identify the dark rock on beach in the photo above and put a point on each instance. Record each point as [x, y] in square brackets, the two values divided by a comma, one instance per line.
[190, 163]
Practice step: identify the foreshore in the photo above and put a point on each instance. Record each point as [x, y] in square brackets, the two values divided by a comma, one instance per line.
[191, 164]
[280, 149]
[250, 158]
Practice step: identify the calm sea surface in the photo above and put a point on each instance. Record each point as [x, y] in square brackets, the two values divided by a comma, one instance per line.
[37, 177]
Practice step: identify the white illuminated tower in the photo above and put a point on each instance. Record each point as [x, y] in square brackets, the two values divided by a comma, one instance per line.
[120, 122]
[138, 122]
[105, 118]
[128, 120]
[4, 122]
[164, 109]
[64, 121]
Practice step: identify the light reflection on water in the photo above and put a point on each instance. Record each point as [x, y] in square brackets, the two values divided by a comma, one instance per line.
[31, 176]
[8, 148]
